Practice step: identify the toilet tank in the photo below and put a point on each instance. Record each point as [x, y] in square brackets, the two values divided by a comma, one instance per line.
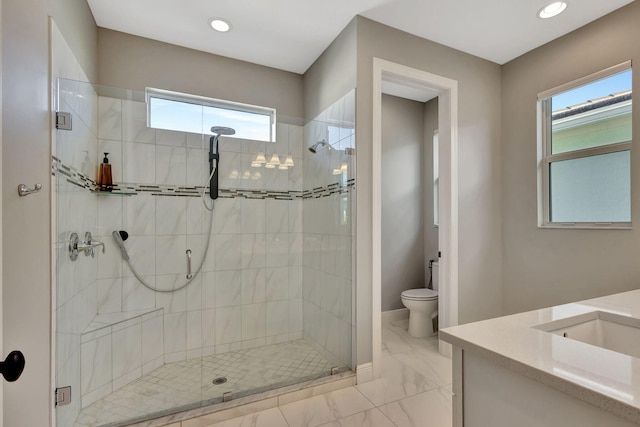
[434, 271]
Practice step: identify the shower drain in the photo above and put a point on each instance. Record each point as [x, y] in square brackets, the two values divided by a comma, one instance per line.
[219, 380]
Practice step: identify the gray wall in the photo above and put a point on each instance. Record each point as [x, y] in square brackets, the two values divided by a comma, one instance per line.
[480, 201]
[544, 267]
[332, 75]
[133, 62]
[431, 232]
[26, 159]
[403, 196]
[75, 21]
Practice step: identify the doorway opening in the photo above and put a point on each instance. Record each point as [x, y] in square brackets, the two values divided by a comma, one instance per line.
[400, 80]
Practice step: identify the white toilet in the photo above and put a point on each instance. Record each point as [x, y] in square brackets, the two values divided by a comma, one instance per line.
[423, 307]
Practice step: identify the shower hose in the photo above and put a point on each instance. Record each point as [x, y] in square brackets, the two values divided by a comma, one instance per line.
[126, 257]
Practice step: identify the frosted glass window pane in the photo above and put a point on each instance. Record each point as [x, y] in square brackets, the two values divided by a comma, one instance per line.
[591, 189]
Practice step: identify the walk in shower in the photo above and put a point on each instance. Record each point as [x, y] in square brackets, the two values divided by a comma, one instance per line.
[272, 304]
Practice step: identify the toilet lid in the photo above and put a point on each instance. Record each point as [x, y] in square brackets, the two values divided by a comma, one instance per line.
[420, 294]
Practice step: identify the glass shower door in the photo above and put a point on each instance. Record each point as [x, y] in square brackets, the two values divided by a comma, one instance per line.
[115, 338]
[272, 304]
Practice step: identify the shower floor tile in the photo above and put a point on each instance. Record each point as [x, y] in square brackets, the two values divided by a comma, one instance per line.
[183, 385]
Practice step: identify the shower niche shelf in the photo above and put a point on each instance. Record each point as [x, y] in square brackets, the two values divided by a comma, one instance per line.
[114, 193]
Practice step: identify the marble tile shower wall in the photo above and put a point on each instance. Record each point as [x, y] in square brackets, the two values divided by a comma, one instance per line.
[249, 292]
[328, 233]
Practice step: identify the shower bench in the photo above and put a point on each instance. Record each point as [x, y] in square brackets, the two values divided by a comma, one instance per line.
[117, 348]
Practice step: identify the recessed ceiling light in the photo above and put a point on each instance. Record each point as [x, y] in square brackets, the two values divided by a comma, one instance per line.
[553, 9]
[220, 24]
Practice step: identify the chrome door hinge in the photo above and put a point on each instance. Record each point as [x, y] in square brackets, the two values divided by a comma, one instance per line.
[63, 120]
[63, 396]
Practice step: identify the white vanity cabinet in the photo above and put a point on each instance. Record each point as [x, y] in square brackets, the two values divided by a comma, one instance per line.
[519, 371]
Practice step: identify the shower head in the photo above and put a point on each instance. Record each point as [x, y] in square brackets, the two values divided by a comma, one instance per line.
[222, 130]
[314, 147]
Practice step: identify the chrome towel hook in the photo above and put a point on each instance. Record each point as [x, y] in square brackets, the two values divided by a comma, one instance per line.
[23, 190]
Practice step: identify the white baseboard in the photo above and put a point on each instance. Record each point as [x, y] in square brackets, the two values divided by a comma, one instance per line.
[364, 373]
[395, 315]
[445, 349]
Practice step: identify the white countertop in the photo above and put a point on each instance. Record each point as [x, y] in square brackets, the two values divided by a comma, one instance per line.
[603, 378]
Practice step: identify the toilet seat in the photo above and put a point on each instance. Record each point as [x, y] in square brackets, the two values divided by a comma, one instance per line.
[420, 294]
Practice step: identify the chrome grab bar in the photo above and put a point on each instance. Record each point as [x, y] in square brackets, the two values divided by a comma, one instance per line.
[189, 275]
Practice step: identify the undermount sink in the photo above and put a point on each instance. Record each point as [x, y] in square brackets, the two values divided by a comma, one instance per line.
[600, 328]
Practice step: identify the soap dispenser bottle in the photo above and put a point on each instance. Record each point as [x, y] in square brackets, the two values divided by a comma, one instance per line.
[105, 181]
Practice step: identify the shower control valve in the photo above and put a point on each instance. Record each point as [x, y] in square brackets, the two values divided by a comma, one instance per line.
[88, 246]
[91, 245]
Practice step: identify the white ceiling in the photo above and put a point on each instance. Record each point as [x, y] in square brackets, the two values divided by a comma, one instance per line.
[291, 34]
[408, 91]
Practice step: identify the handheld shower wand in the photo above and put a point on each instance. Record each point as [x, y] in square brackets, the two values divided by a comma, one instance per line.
[215, 155]
[120, 237]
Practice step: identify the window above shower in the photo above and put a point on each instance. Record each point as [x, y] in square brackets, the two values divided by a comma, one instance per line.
[197, 114]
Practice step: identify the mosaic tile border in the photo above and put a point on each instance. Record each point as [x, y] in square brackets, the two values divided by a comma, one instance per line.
[75, 177]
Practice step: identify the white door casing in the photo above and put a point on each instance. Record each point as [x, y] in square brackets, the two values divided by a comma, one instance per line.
[1, 324]
[448, 197]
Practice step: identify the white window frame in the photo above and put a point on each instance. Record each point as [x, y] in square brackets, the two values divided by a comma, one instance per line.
[212, 102]
[545, 156]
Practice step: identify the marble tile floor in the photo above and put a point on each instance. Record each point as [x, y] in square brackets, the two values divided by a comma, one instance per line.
[185, 384]
[415, 390]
